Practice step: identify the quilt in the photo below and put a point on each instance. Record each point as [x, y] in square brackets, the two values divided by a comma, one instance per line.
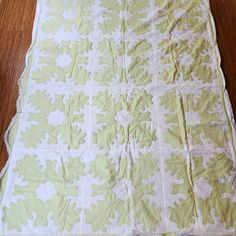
[123, 124]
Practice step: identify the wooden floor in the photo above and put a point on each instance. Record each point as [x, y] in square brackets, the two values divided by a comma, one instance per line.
[16, 21]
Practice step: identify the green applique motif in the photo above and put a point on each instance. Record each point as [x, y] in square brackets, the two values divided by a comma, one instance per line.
[215, 175]
[186, 60]
[43, 201]
[125, 191]
[55, 119]
[62, 61]
[203, 109]
[68, 15]
[127, 63]
[179, 15]
[124, 119]
[125, 15]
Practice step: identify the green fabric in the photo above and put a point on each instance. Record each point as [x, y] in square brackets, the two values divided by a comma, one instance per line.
[123, 124]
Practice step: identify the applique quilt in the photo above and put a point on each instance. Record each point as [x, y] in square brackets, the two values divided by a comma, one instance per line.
[123, 124]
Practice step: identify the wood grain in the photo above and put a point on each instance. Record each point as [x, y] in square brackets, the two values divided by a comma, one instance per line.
[16, 21]
[224, 13]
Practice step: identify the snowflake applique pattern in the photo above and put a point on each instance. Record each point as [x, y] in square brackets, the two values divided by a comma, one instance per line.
[123, 15]
[124, 192]
[128, 63]
[211, 179]
[54, 119]
[186, 60]
[124, 119]
[63, 15]
[45, 194]
[181, 15]
[205, 128]
[63, 61]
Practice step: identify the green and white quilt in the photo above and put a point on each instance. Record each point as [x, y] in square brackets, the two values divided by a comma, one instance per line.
[123, 124]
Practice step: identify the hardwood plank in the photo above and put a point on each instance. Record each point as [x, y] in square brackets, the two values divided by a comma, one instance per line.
[16, 21]
[224, 13]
